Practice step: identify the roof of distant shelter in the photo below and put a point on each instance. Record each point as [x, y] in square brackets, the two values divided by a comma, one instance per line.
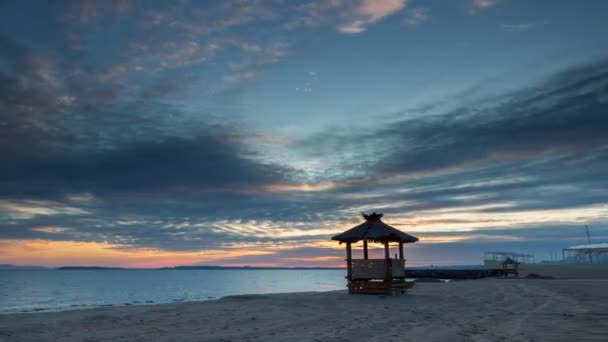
[509, 261]
[373, 229]
[592, 246]
[510, 254]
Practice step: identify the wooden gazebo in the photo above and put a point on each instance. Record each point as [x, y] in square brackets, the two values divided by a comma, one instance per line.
[375, 275]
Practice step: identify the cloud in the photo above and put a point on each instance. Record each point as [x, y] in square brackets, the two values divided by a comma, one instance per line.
[352, 28]
[369, 12]
[536, 156]
[103, 151]
[515, 127]
[311, 81]
[184, 39]
[482, 4]
[88, 11]
[88, 130]
[478, 174]
[517, 27]
[416, 16]
[31, 209]
[255, 60]
[207, 161]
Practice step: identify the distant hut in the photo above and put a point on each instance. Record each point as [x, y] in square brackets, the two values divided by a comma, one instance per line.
[510, 266]
[375, 275]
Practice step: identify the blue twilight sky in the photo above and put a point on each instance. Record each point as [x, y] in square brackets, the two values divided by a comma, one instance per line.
[152, 133]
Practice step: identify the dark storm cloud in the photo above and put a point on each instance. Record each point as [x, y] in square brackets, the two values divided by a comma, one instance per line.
[209, 161]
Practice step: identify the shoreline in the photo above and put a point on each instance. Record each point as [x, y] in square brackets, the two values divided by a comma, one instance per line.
[79, 307]
[85, 307]
[56, 291]
[487, 309]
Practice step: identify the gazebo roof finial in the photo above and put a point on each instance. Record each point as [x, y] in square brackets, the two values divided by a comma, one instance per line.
[373, 216]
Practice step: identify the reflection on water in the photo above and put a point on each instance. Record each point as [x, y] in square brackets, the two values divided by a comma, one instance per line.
[38, 290]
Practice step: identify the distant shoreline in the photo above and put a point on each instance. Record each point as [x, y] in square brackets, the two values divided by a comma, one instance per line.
[101, 268]
[63, 268]
[216, 267]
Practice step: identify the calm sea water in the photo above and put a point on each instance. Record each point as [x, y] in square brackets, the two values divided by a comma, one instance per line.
[52, 290]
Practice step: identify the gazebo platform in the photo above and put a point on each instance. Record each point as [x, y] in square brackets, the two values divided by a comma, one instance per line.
[378, 287]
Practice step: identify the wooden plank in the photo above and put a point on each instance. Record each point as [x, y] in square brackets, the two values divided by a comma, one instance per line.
[398, 268]
[369, 269]
[376, 287]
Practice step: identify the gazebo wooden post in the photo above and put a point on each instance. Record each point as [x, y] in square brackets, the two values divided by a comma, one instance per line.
[365, 255]
[386, 251]
[349, 266]
[349, 261]
[387, 259]
[401, 259]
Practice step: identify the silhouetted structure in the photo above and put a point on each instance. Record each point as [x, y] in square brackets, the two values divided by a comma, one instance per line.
[586, 254]
[375, 275]
[498, 257]
[510, 266]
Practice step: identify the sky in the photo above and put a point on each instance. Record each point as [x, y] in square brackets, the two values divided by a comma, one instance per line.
[248, 132]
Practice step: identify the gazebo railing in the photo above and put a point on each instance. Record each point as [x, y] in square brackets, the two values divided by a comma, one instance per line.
[376, 268]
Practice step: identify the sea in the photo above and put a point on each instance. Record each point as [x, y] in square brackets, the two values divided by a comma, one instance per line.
[58, 290]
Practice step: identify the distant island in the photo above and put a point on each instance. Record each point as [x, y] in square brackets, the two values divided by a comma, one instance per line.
[212, 267]
[70, 268]
[15, 267]
[196, 267]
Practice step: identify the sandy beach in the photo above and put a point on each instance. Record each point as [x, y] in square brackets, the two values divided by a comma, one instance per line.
[477, 310]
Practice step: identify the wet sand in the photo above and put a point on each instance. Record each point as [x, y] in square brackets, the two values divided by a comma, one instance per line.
[476, 310]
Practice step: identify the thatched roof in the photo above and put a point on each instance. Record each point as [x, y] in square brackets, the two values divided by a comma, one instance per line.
[373, 229]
